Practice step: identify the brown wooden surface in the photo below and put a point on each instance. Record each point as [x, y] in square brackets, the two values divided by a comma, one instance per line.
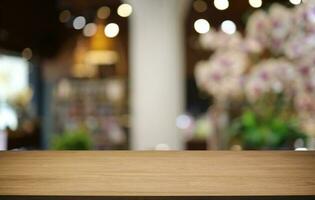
[125, 173]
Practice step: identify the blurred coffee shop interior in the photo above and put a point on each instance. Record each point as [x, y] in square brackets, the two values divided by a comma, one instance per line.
[157, 75]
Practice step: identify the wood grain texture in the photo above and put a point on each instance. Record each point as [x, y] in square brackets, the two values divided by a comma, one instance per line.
[127, 173]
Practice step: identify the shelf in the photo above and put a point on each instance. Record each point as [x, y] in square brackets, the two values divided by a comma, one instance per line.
[149, 174]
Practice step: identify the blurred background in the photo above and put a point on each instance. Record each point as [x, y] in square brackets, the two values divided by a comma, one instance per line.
[157, 75]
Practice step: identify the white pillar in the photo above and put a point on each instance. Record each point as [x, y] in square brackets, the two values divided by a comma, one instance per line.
[156, 72]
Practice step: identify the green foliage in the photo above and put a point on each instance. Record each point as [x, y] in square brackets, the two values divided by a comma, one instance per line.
[260, 132]
[269, 123]
[74, 140]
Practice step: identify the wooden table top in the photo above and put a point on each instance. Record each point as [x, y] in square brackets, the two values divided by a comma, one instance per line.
[149, 173]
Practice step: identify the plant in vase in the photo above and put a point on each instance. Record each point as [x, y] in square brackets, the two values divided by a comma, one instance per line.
[264, 80]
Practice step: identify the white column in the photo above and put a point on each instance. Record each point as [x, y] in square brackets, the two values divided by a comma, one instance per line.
[3, 140]
[156, 72]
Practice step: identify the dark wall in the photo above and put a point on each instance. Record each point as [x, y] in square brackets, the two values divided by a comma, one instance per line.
[33, 24]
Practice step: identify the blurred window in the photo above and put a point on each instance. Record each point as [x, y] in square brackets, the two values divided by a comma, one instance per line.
[13, 81]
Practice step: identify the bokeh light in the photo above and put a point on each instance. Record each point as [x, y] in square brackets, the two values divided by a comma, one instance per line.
[228, 27]
[79, 22]
[64, 16]
[124, 10]
[111, 30]
[90, 30]
[183, 122]
[200, 6]
[27, 53]
[255, 3]
[221, 4]
[103, 12]
[202, 26]
[296, 2]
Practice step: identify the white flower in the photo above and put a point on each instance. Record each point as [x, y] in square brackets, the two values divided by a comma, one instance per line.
[273, 75]
[299, 45]
[281, 21]
[307, 14]
[281, 32]
[306, 79]
[216, 40]
[299, 16]
[258, 26]
[202, 73]
[209, 40]
[221, 76]
[251, 45]
[295, 47]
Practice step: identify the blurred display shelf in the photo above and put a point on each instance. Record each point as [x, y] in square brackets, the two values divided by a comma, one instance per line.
[148, 175]
[99, 107]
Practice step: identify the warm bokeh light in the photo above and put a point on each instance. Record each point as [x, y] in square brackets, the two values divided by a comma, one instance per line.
[64, 16]
[124, 10]
[221, 4]
[255, 3]
[79, 22]
[111, 30]
[228, 27]
[103, 12]
[90, 30]
[27, 53]
[296, 2]
[202, 26]
[200, 6]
